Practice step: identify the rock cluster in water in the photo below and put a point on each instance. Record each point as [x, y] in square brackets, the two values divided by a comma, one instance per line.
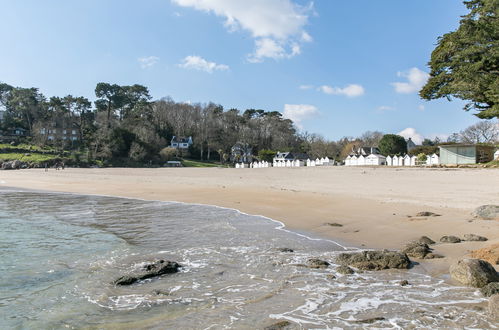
[374, 260]
[155, 269]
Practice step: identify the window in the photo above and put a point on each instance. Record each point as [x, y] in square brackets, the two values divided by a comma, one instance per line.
[64, 132]
[73, 132]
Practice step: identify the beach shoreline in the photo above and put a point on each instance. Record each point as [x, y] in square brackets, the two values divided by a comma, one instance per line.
[370, 207]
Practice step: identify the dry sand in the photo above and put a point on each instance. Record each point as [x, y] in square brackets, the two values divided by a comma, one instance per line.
[372, 204]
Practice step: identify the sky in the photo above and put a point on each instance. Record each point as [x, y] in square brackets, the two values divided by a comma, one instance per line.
[336, 68]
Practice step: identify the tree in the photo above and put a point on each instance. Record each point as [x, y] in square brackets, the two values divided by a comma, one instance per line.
[266, 155]
[371, 138]
[465, 63]
[110, 98]
[392, 144]
[481, 132]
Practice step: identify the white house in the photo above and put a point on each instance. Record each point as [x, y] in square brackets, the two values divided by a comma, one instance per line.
[181, 142]
[375, 159]
[496, 155]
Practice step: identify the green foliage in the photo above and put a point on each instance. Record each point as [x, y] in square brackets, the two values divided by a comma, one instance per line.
[391, 144]
[465, 63]
[266, 155]
[422, 157]
[428, 150]
[196, 163]
[168, 153]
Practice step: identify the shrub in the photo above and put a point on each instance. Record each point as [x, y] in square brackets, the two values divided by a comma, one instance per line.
[168, 153]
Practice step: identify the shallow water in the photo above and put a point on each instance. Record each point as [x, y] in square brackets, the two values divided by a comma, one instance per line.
[60, 254]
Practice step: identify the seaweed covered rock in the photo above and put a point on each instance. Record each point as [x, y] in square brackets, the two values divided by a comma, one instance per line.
[374, 260]
[345, 270]
[450, 239]
[473, 237]
[473, 272]
[426, 240]
[155, 269]
[490, 289]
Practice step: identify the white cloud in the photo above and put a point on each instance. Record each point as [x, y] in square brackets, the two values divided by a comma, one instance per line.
[276, 25]
[385, 108]
[306, 87]
[421, 107]
[352, 90]
[299, 112]
[148, 61]
[198, 63]
[416, 79]
[410, 132]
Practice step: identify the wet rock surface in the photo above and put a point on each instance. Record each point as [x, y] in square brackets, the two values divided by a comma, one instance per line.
[426, 240]
[490, 289]
[345, 270]
[493, 307]
[374, 260]
[281, 325]
[416, 249]
[473, 272]
[155, 269]
[317, 263]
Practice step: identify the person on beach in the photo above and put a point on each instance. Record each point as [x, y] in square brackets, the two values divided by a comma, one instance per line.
[46, 167]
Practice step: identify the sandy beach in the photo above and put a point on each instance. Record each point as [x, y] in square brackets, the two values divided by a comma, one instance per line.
[375, 206]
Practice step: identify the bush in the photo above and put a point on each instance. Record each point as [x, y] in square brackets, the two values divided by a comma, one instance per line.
[266, 155]
[422, 157]
[392, 144]
[168, 153]
[137, 152]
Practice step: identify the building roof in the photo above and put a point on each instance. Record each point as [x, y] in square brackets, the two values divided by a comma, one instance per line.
[181, 139]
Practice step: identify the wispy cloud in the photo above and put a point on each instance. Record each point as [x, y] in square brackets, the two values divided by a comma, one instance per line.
[384, 108]
[352, 90]
[198, 63]
[299, 112]
[148, 61]
[277, 26]
[306, 87]
[416, 79]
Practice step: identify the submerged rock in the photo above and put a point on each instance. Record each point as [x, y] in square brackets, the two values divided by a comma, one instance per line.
[487, 212]
[345, 270]
[473, 272]
[416, 249]
[450, 239]
[370, 320]
[280, 325]
[317, 263]
[433, 256]
[426, 240]
[155, 269]
[285, 250]
[374, 260]
[404, 282]
[473, 237]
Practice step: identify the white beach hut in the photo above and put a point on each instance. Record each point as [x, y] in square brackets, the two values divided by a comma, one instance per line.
[407, 160]
[348, 161]
[389, 161]
[496, 155]
[435, 160]
[326, 161]
[401, 161]
[361, 160]
[318, 162]
[414, 158]
[353, 161]
[395, 161]
[375, 159]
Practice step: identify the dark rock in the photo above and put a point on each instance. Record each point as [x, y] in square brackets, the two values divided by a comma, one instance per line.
[155, 269]
[331, 277]
[450, 239]
[426, 240]
[416, 249]
[334, 224]
[279, 325]
[473, 237]
[285, 250]
[404, 282]
[370, 320]
[494, 307]
[427, 214]
[317, 263]
[374, 260]
[473, 272]
[487, 212]
[490, 289]
[345, 270]
[433, 256]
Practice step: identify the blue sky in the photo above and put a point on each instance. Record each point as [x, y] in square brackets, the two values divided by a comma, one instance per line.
[338, 68]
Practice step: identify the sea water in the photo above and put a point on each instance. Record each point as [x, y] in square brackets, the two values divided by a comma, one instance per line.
[60, 253]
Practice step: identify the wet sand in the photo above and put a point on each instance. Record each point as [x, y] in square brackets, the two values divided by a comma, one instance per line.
[375, 206]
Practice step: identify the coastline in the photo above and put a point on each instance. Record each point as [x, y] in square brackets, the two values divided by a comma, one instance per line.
[375, 206]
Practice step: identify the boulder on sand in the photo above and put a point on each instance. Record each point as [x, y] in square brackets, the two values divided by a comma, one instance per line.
[450, 239]
[490, 289]
[416, 249]
[374, 260]
[427, 214]
[487, 212]
[473, 272]
[155, 269]
[473, 237]
[426, 240]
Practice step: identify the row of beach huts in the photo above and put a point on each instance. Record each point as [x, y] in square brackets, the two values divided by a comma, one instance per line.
[325, 161]
[376, 159]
